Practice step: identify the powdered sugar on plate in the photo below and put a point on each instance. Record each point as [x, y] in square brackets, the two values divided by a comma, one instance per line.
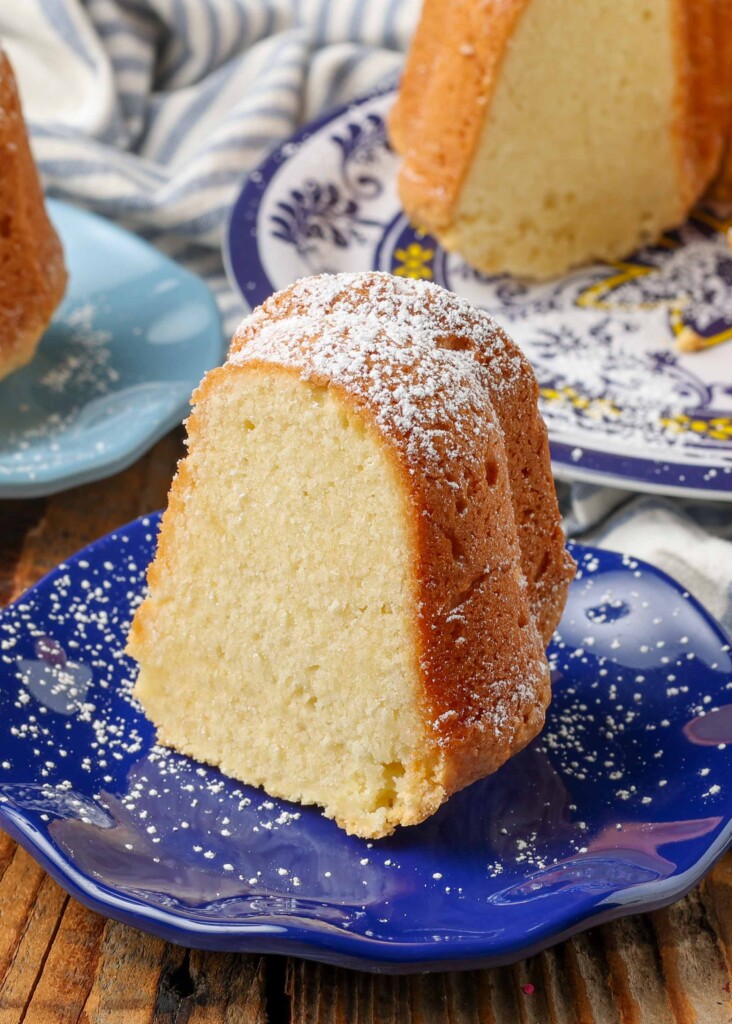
[627, 787]
[73, 369]
[116, 366]
[86, 363]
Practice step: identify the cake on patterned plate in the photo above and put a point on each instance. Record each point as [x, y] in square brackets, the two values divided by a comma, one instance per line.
[537, 135]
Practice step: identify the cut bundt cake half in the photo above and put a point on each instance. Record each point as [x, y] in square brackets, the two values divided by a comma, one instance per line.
[537, 135]
[32, 272]
[361, 558]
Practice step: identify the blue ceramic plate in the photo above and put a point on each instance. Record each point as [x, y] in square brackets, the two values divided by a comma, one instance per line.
[115, 370]
[623, 405]
[621, 805]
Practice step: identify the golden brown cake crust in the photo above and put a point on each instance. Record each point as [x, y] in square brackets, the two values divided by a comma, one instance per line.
[441, 407]
[32, 273]
[722, 188]
[446, 89]
[545, 561]
[703, 98]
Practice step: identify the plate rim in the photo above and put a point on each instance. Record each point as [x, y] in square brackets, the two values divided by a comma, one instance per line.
[325, 943]
[98, 467]
[252, 190]
[321, 941]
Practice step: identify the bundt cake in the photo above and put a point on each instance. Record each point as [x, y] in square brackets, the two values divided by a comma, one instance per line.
[361, 560]
[32, 273]
[537, 135]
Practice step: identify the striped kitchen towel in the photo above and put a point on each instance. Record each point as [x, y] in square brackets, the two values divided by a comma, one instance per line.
[690, 540]
[151, 112]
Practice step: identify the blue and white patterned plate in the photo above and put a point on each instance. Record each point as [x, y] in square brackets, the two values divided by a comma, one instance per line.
[622, 405]
[620, 806]
[114, 371]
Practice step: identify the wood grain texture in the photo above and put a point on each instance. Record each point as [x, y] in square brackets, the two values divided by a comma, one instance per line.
[33, 941]
[16, 519]
[62, 964]
[128, 976]
[67, 973]
[19, 888]
[622, 973]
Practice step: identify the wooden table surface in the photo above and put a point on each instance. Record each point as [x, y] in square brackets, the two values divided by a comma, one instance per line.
[60, 962]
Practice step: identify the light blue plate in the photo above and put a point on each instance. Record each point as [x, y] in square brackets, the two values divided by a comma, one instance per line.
[115, 370]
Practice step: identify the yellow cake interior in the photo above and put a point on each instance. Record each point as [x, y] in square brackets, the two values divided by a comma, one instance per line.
[577, 148]
[282, 632]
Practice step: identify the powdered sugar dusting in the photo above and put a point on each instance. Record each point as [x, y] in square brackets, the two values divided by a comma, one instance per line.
[87, 357]
[417, 356]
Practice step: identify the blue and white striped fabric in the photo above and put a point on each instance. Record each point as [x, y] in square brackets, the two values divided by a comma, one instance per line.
[690, 540]
[151, 112]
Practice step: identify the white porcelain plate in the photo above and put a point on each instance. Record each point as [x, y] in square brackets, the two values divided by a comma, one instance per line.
[622, 404]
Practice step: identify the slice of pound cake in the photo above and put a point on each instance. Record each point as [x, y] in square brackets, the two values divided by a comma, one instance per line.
[361, 559]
